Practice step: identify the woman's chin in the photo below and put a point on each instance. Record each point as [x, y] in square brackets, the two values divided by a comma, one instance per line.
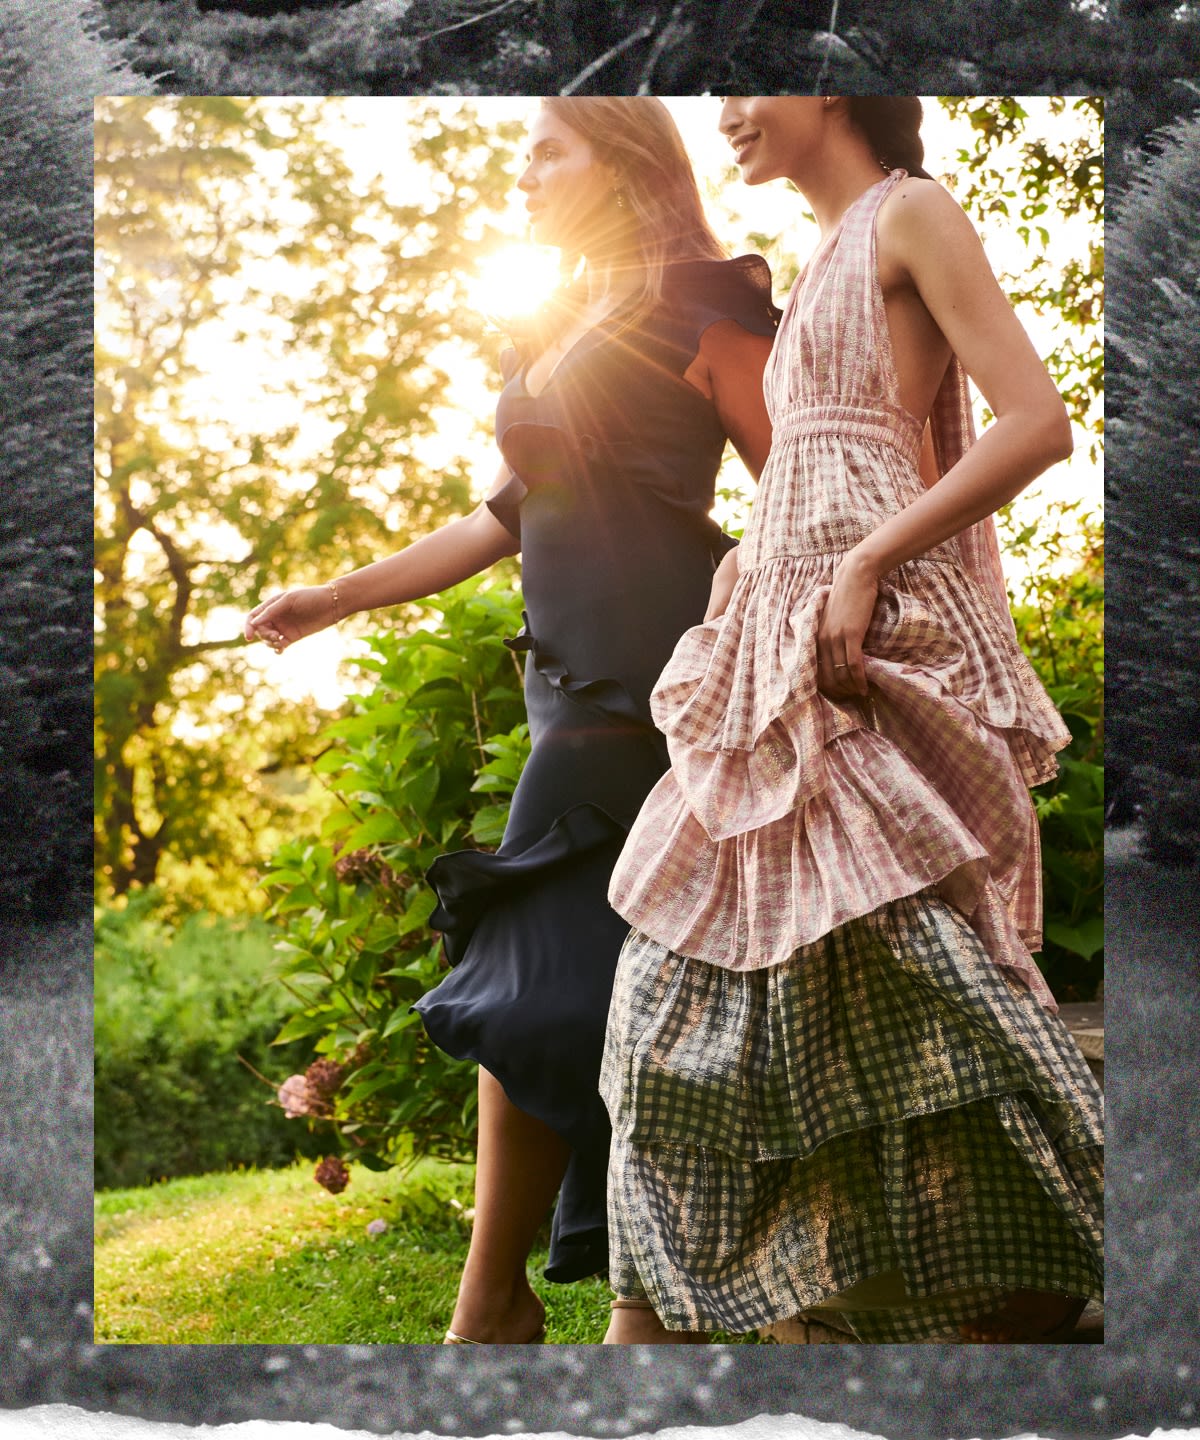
[540, 232]
[754, 174]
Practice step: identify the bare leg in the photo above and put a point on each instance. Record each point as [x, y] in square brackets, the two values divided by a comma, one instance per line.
[639, 1325]
[519, 1168]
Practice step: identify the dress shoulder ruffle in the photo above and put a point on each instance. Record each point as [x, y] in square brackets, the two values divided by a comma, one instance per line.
[699, 293]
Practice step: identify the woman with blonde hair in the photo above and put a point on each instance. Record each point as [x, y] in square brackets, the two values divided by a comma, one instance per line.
[618, 402]
[836, 1080]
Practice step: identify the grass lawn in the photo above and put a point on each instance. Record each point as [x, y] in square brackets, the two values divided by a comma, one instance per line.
[270, 1257]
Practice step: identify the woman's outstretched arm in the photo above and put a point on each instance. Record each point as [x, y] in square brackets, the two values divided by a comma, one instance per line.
[924, 235]
[454, 553]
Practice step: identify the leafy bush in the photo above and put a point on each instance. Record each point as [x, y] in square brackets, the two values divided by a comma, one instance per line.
[174, 1012]
[426, 764]
[1154, 479]
[1060, 623]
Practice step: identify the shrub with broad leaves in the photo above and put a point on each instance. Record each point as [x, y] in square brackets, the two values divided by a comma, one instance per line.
[425, 764]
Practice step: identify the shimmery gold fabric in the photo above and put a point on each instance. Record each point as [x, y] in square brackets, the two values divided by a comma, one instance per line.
[888, 1101]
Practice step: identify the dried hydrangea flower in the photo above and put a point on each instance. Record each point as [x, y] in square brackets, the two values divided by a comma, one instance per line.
[332, 1173]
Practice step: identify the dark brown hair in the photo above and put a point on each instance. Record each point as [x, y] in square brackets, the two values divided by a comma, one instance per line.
[892, 127]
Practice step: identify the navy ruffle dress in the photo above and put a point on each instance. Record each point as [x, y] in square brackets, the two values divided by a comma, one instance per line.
[613, 465]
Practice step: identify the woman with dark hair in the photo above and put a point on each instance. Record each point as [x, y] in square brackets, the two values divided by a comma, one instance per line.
[618, 401]
[837, 1084]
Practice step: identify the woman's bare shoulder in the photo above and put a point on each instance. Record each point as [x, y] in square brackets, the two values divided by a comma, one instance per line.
[920, 224]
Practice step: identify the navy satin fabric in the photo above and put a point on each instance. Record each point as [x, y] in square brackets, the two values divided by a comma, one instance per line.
[613, 467]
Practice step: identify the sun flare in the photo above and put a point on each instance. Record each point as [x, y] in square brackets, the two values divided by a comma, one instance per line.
[512, 282]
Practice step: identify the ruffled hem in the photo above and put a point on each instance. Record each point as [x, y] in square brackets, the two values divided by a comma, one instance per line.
[605, 694]
[733, 680]
[878, 832]
[467, 882]
[883, 1102]
[785, 815]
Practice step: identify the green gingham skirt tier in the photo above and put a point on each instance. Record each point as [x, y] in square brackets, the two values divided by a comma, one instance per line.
[885, 1111]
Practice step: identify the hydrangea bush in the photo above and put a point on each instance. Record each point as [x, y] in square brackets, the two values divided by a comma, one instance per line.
[426, 763]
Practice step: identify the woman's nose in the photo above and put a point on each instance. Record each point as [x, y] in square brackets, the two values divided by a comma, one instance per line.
[526, 182]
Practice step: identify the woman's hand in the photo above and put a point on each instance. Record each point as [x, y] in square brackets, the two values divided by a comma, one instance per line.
[842, 628]
[724, 579]
[285, 618]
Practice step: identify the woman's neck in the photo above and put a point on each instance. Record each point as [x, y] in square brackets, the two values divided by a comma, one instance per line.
[610, 280]
[835, 184]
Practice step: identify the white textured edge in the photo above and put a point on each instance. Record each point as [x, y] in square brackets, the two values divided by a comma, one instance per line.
[50, 1422]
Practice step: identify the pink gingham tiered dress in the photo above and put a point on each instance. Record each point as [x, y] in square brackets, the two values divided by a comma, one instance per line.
[834, 1072]
[784, 814]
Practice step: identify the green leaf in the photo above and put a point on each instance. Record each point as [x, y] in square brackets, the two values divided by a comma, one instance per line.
[487, 828]
[418, 912]
[420, 788]
[370, 1161]
[380, 826]
[299, 1026]
[402, 1019]
[364, 1089]
[1085, 939]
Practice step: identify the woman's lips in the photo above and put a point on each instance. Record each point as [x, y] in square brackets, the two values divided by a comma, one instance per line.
[741, 145]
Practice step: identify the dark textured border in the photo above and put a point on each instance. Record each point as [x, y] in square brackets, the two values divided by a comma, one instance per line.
[1132, 1384]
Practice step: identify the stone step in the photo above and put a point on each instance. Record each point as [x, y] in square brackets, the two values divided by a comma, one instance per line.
[1085, 1021]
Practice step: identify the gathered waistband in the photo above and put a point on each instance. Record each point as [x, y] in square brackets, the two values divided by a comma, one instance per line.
[880, 421]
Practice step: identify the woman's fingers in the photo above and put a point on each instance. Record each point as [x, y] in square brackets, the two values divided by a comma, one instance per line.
[841, 671]
[845, 619]
[263, 623]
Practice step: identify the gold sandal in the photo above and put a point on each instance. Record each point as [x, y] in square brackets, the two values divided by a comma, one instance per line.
[452, 1339]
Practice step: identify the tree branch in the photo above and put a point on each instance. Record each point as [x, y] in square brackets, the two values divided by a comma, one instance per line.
[643, 32]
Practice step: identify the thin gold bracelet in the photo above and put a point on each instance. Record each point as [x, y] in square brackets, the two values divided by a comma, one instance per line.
[331, 585]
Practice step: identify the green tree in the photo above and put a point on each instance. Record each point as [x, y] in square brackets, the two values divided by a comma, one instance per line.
[1053, 181]
[202, 203]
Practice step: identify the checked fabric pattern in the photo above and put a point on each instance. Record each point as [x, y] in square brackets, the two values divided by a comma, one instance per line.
[888, 1102]
[834, 1072]
[785, 815]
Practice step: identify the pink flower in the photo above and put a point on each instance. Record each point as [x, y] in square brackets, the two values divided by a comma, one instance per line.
[293, 1096]
[376, 1227]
